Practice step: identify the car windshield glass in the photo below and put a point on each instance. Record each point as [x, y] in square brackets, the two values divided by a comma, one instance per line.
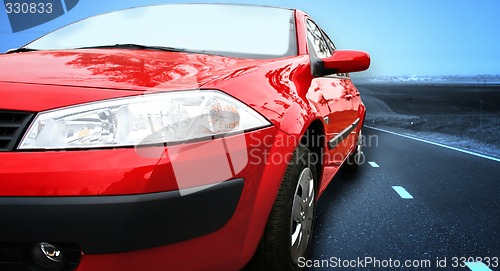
[233, 30]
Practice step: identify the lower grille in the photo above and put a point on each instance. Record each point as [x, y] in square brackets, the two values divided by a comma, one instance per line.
[12, 125]
[16, 257]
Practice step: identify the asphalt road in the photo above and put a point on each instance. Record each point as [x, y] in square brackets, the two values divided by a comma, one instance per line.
[454, 212]
[464, 116]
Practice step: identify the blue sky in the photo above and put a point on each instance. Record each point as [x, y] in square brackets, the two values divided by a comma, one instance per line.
[421, 37]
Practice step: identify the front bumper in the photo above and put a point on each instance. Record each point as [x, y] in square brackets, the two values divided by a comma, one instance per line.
[119, 223]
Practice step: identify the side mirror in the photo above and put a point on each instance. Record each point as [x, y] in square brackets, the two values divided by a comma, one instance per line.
[344, 61]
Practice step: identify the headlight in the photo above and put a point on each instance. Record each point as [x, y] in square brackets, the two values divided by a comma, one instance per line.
[145, 119]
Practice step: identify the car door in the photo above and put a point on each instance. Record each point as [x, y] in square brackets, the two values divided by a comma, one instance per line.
[340, 100]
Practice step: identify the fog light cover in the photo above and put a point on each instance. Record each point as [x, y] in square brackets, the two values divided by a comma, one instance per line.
[47, 256]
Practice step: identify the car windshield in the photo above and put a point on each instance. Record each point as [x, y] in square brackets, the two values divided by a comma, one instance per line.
[230, 30]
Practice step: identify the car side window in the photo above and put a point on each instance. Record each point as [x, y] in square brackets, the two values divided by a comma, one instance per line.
[329, 42]
[318, 41]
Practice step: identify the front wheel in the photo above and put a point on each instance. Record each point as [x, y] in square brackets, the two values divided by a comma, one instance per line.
[289, 229]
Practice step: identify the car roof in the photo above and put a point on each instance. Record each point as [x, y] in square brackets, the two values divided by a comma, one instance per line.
[212, 4]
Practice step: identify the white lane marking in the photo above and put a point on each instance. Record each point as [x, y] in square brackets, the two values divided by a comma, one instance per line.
[477, 266]
[373, 164]
[402, 192]
[437, 144]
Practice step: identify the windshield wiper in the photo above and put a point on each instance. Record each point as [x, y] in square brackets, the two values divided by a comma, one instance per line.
[135, 46]
[148, 47]
[123, 46]
[20, 50]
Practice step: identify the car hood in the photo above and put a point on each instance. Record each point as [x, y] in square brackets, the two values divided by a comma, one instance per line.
[124, 69]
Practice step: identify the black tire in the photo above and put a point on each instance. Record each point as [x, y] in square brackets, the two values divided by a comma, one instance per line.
[356, 158]
[275, 249]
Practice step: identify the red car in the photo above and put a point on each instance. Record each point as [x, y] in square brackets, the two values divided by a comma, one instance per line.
[173, 137]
